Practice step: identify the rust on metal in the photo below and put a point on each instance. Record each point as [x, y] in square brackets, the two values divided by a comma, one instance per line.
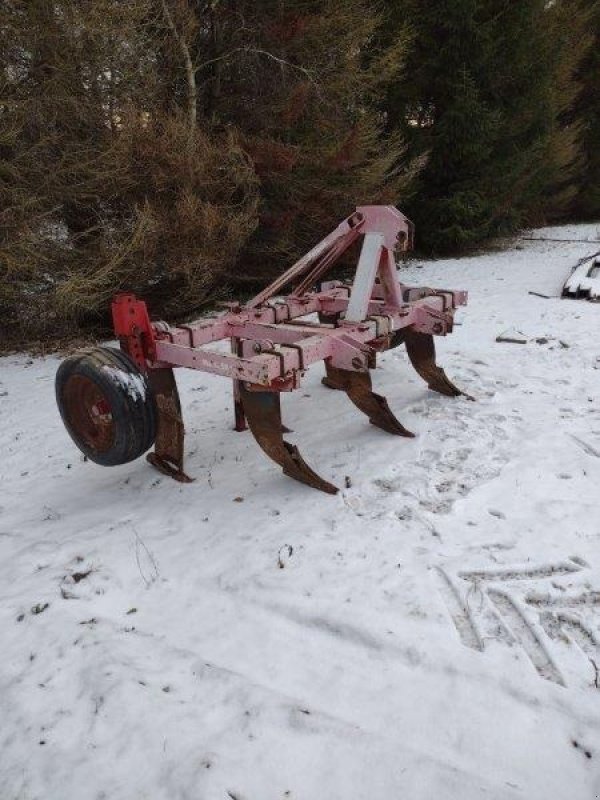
[168, 448]
[239, 418]
[263, 412]
[89, 413]
[357, 386]
[421, 352]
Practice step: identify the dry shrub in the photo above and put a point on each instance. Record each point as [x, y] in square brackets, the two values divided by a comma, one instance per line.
[186, 211]
[156, 216]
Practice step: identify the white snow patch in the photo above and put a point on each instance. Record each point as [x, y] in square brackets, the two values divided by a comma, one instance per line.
[134, 385]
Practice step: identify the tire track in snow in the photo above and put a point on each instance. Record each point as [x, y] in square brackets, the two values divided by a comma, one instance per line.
[459, 611]
[524, 634]
[523, 573]
[558, 624]
[591, 598]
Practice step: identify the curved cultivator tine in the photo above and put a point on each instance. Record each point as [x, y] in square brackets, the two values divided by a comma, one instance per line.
[421, 352]
[263, 412]
[168, 447]
[357, 386]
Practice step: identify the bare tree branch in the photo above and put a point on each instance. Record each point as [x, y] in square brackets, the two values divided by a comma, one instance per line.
[256, 51]
[192, 93]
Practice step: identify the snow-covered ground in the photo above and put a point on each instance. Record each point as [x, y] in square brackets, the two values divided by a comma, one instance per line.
[431, 632]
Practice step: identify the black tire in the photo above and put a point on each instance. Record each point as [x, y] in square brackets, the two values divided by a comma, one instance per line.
[107, 405]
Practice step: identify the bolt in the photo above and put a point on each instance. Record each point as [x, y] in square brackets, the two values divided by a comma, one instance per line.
[438, 327]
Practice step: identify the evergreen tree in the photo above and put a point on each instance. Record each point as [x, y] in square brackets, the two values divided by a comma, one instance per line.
[299, 81]
[553, 173]
[483, 91]
[587, 114]
[442, 112]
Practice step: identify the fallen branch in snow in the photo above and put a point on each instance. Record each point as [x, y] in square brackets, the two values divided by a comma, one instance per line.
[512, 337]
[585, 259]
[567, 241]
[139, 542]
[539, 294]
[597, 675]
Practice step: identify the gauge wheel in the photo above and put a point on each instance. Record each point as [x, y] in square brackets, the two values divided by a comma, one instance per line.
[107, 405]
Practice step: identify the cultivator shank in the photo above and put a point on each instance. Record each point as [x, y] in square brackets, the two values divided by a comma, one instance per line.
[273, 339]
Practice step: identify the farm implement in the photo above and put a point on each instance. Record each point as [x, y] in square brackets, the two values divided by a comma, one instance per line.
[584, 280]
[117, 403]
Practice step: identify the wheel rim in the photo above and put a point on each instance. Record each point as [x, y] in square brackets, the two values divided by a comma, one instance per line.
[88, 413]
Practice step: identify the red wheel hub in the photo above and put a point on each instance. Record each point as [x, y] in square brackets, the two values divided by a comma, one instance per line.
[89, 413]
